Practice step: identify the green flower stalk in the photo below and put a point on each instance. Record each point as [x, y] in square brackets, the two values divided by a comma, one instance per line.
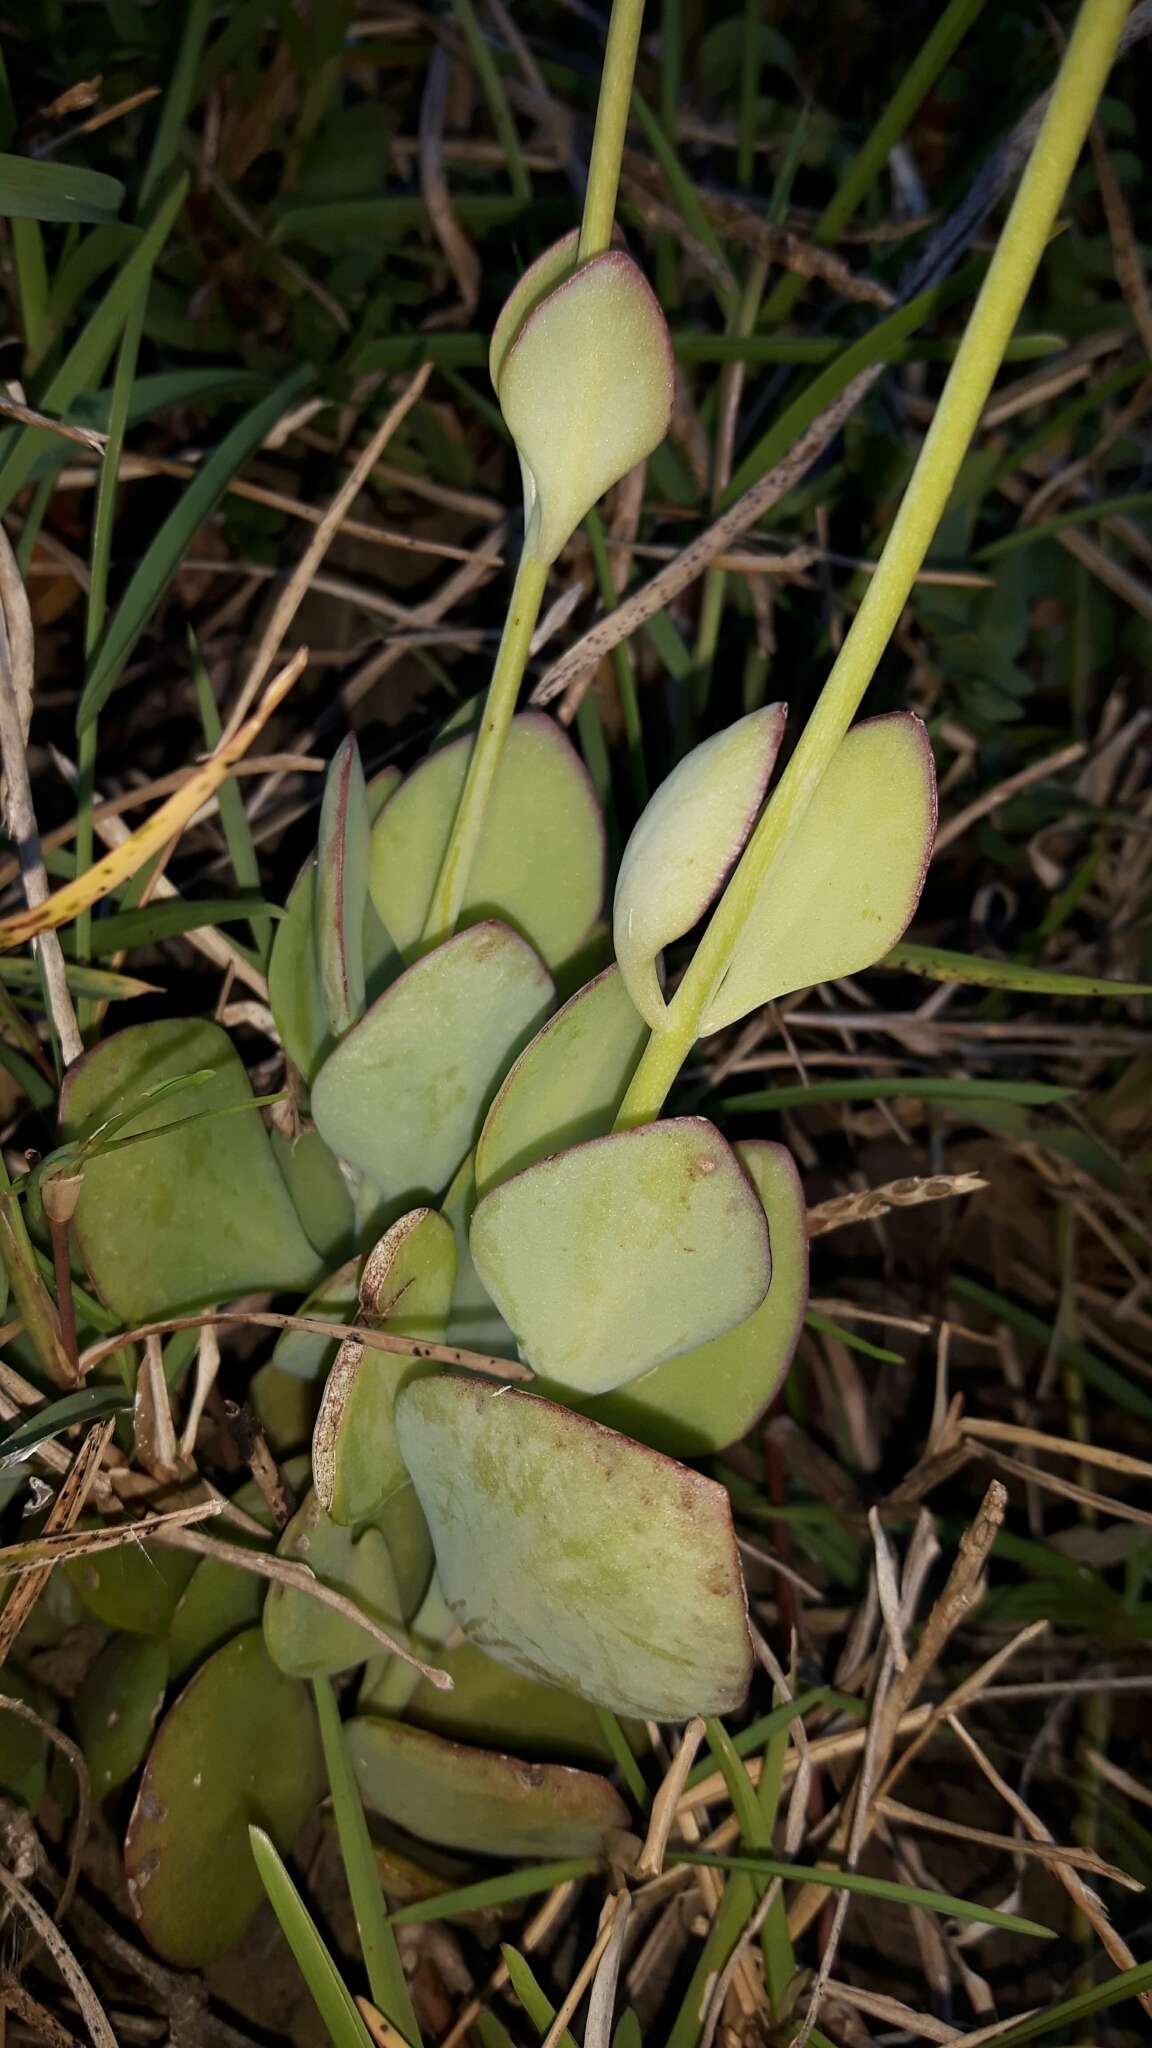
[582, 365]
[998, 306]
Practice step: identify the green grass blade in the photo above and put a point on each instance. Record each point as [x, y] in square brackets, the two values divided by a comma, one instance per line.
[99, 982]
[532, 1996]
[88, 357]
[878, 1088]
[165, 553]
[628, 2034]
[233, 816]
[89, 1405]
[1096, 1371]
[624, 1758]
[178, 97]
[492, 86]
[935, 964]
[31, 189]
[873, 348]
[1129, 1984]
[1076, 515]
[869, 1888]
[870, 159]
[334, 2001]
[32, 287]
[496, 1891]
[170, 919]
[728, 1923]
[386, 1977]
[762, 1730]
[850, 1338]
[99, 559]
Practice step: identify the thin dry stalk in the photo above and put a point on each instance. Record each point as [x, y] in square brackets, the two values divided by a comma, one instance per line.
[667, 1803]
[94, 2016]
[285, 1571]
[17, 672]
[69, 1750]
[894, 1194]
[461, 257]
[935, 1824]
[503, 1369]
[62, 1516]
[615, 1910]
[291, 597]
[691, 562]
[1081, 1894]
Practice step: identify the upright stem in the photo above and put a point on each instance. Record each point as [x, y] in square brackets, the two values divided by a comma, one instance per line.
[532, 575]
[503, 690]
[611, 126]
[1006, 285]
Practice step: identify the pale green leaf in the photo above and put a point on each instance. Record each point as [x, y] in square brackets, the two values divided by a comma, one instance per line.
[478, 1799]
[403, 1094]
[586, 389]
[197, 1215]
[845, 885]
[539, 864]
[567, 1085]
[406, 1286]
[576, 1556]
[609, 1258]
[684, 845]
[709, 1398]
[342, 889]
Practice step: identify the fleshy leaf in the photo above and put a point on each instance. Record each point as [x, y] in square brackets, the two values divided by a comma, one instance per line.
[845, 886]
[304, 1353]
[384, 1568]
[342, 889]
[539, 865]
[240, 1745]
[611, 1257]
[586, 388]
[684, 845]
[134, 1587]
[294, 993]
[475, 1322]
[567, 1085]
[220, 1600]
[538, 280]
[709, 1398]
[403, 1095]
[575, 1555]
[498, 1708]
[478, 1800]
[406, 1285]
[116, 1707]
[198, 1215]
[319, 1192]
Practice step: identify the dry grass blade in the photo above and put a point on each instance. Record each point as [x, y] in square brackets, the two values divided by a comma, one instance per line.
[1084, 1496]
[94, 2015]
[462, 258]
[62, 1517]
[877, 2006]
[68, 1749]
[700, 553]
[1080, 1893]
[991, 799]
[63, 1545]
[17, 676]
[961, 1592]
[1077, 1859]
[27, 416]
[1125, 245]
[609, 1935]
[1061, 1447]
[288, 603]
[667, 1803]
[284, 1571]
[1123, 1781]
[894, 1194]
[164, 825]
[505, 1369]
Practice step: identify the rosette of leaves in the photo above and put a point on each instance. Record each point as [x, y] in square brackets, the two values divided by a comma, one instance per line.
[464, 1158]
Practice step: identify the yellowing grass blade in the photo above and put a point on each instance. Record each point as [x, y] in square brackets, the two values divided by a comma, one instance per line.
[164, 824]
